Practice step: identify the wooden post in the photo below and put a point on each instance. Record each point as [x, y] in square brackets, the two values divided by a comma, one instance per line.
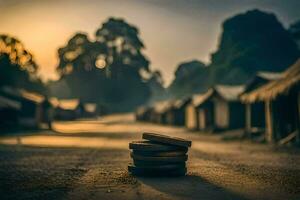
[269, 121]
[248, 118]
[298, 125]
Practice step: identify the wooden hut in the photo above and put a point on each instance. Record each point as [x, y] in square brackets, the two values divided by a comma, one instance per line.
[282, 104]
[89, 110]
[255, 121]
[159, 113]
[176, 112]
[229, 112]
[143, 113]
[198, 114]
[9, 112]
[69, 109]
[32, 111]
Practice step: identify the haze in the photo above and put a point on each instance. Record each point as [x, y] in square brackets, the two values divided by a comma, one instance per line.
[172, 30]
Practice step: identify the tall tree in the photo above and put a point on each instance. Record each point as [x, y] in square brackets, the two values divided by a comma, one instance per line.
[190, 77]
[17, 65]
[250, 42]
[124, 45]
[107, 70]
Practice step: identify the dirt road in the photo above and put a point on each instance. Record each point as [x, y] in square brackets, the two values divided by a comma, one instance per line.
[88, 160]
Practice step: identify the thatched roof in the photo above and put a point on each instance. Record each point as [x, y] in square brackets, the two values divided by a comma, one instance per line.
[32, 96]
[229, 92]
[22, 94]
[269, 75]
[68, 104]
[261, 78]
[162, 106]
[54, 102]
[271, 90]
[177, 104]
[198, 99]
[9, 103]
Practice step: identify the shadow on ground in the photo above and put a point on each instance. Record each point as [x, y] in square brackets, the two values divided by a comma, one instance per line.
[189, 187]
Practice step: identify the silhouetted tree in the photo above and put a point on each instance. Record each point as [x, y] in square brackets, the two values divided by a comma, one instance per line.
[251, 42]
[190, 77]
[107, 70]
[17, 65]
[124, 45]
[155, 83]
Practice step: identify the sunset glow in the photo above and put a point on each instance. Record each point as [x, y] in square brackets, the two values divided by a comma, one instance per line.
[44, 26]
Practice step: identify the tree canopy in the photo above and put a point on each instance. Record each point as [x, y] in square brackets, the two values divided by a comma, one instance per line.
[106, 70]
[190, 77]
[17, 65]
[250, 42]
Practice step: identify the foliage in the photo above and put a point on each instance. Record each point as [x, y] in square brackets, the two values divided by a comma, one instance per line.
[17, 65]
[107, 70]
[190, 77]
[250, 42]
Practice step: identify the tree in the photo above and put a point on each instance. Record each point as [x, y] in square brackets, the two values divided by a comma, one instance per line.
[107, 70]
[79, 55]
[155, 83]
[124, 45]
[250, 42]
[17, 65]
[190, 77]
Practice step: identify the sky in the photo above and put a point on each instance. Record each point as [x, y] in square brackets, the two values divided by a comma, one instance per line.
[173, 31]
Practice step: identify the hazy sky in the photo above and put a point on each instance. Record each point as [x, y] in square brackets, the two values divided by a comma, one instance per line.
[172, 30]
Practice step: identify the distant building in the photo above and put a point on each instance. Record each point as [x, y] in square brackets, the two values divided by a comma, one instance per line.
[69, 109]
[217, 109]
[90, 110]
[281, 98]
[159, 112]
[199, 115]
[143, 113]
[176, 112]
[32, 112]
[9, 112]
[229, 112]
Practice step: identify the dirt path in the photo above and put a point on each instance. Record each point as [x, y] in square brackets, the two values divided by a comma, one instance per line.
[88, 160]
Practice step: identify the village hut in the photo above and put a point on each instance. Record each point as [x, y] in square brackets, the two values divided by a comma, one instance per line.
[69, 109]
[255, 121]
[9, 111]
[229, 112]
[282, 104]
[176, 112]
[159, 113]
[32, 111]
[198, 114]
[90, 110]
[143, 113]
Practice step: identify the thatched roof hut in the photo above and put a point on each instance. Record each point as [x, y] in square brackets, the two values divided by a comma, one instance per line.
[69, 109]
[261, 78]
[192, 115]
[255, 121]
[276, 87]
[281, 98]
[33, 111]
[159, 113]
[228, 110]
[176, 111]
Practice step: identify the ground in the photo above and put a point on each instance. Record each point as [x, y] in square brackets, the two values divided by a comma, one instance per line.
[88, 159]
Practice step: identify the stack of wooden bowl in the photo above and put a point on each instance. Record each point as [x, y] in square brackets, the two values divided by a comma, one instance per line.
[159, 155]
